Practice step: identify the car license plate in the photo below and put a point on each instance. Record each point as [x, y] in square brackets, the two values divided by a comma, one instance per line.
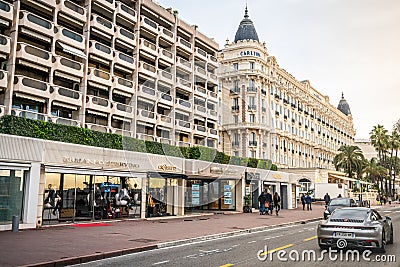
[343, 235]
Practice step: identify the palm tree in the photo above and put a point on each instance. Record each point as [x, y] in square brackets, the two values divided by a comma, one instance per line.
[379, 140]
[375, 172]
[350, 159]
[394, 144]
[396, 129]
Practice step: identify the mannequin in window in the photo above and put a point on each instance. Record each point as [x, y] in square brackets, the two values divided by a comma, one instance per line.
[53, 199]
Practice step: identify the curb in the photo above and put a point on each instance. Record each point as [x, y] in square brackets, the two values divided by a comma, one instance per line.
[110, 254]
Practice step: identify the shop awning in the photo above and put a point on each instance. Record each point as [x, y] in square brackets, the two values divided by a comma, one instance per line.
[73, 51]
[344, 178]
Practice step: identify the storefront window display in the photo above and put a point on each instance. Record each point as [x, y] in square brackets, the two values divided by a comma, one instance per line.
[161, 196]
[12, 184]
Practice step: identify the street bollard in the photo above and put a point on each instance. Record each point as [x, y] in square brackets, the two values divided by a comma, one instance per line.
[15, 223]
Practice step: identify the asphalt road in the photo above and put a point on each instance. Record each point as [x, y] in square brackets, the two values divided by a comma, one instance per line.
[243, 250]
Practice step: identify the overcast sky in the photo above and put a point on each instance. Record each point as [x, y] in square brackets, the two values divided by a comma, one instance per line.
[339, 45]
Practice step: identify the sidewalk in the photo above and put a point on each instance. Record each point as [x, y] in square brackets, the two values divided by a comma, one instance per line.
[69, 244]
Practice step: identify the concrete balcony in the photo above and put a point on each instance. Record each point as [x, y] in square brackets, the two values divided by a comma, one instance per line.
[98, 103]
[72, 9]
[5, 46]
[183, 126]
[100, 50]
[36, 25]
[68, 66]
[148, 47]
[166, 34]
[183, 105]
[163, 140]
[184, 64]
[147, 92]
[184, 84]
[97, 127]
[99, 77]
[212, 78]
[212, 95]
[65, 121]
[200, 110]
[200, 72]
[123, 110]
[127, 37]
[200, 53]
[66, 95]
[146, 137]
[184, 45]
[31, 86]
[49, 3]
[69, 37]
[122, 132]
[148, 25]
[126, 12]
[6, 11]
[165, 121]
[3, 79]
[123, 85]
[107, 4]
[124, 60]
[147, 69]
[212, 61]
[29, 114]
[183, 144]
[33, 54]
[200, 130]
[201, 91]
[212, 114]
[165, 99]
[147, 116]
[102, 24]
[213, 133]
[166, 55]
[165, 76]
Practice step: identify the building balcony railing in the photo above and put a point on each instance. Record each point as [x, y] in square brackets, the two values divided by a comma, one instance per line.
[147, 92]
[5, 46]
[122, 132]
[164, 140]
[212, 114]
[101, 50]
[252, 107]
[183, 144]
[200, 129]
[98, 127]
[98, 103]
[3, 79]
[252, 143]
[166, 34]
[184, 126]
[147, 69]
[235, 91]
[213, 133]
[212, 78]
[183, 104]
[126, 12]
[165, 76]
[66, 95]
[33, 54]
[165, 98]
[72, 9]
[146, 137]
[212, 94]
[235, 108]
[184, 45]
[148, 24]
[184, 84]
[165, 121]
[200, 110]
[69, 37]
[102, 24]
[199, 71]
[65, 121]
[31, 86]
[124, 60]
[252, 89]
[99, 76]
[127, 37]
[166, 55]
[36, 24]
[122, 110]
[69, 66]
[184, 65]
[200, 53]
[212, 60]
[148, 47]
[107, 4]
[123, 85]
[43, 117]
[147, 116]
[200, 91]
[6, 11]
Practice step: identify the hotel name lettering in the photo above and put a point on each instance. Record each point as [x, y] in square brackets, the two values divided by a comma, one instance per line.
[103, 163]
[250, 53]
[166, 168]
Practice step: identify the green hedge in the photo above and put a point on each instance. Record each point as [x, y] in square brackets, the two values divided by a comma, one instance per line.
[77, 135]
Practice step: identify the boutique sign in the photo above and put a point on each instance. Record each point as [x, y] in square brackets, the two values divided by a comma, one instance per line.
[250, 53]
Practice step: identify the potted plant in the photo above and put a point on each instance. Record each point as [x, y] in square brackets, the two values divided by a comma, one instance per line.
[247, 204]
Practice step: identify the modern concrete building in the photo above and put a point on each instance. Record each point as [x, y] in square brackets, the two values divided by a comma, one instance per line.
[367, 149]
[127, 67]
[269, 114]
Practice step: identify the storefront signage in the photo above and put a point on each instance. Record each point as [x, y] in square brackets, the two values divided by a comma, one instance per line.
[227, 195]
[102, 163]
[276, 176]
[216, 170]
[195, 194]
[250, 53]
[165, 167]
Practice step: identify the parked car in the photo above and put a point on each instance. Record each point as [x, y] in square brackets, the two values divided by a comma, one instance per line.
[338, 203]
[355, 227]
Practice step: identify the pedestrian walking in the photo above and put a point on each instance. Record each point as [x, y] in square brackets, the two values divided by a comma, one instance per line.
[270, 203]
[303, 201]
[327, 198]
[384, 200]
[308, 202]
[277, 203]
[262, 199]
[389, 200]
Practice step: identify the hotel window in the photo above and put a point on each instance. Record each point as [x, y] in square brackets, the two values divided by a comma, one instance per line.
[252, 84]
[252, 154]
[252, 65]
[236, 85]
[252, 118]
[235, 66]
[235, 119]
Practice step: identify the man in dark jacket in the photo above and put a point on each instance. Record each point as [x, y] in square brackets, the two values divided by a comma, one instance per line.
[262, 199]
[270, 208]
[308, 202]
[327, 198]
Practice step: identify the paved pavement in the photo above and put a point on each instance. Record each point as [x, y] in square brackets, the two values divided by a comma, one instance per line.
[69, 244]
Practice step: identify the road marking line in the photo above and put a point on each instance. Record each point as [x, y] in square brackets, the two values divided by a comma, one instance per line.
[226, 265]
[160, 262]
[310, 238]
[271, 237]
[251, 242]
[276, 249]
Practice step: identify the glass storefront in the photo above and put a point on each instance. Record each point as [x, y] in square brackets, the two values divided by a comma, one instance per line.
[12, 184]
[74, 197]
[162, 194]
[210, 194]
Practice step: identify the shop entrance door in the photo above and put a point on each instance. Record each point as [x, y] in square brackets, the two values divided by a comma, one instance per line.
[284, 198]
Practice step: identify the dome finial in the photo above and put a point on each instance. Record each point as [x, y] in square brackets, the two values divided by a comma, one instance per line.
[342, 95]
[246, 12]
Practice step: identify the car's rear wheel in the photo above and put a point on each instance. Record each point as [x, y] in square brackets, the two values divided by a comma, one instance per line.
[382, 248]
[390, 241]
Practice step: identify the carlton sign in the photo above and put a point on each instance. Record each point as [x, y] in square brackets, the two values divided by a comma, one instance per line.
[250, 53]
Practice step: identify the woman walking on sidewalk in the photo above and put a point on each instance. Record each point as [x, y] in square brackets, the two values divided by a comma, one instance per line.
[277, 203]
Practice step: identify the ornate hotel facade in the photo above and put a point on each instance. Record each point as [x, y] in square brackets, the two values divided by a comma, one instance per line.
[269, 114]
[127, 67]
